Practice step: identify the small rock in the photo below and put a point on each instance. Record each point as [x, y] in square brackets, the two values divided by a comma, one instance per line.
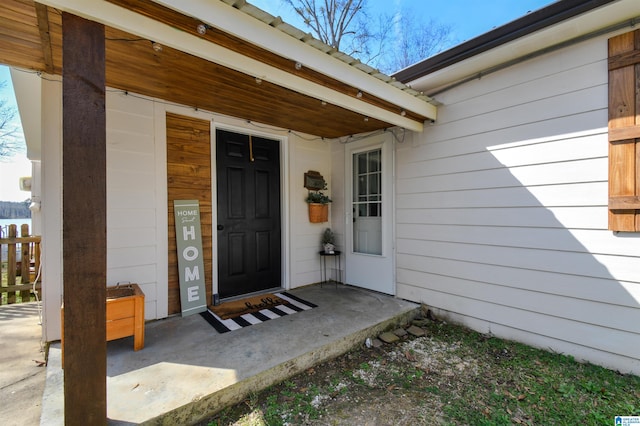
[388, 337]
[376, 343]
[420, 322]
[416, 331]
[410, 356]
[424, 309]
[400, 332]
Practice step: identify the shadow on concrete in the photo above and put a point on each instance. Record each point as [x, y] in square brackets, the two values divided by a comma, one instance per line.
[187, 370]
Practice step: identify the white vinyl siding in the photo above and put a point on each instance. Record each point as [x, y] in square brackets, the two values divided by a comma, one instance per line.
[502, 211]
[306, 155]
[132, 234]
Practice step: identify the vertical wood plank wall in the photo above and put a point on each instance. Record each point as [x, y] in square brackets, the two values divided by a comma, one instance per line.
[188, 178]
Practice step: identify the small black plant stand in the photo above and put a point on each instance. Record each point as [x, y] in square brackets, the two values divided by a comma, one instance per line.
[323, 266]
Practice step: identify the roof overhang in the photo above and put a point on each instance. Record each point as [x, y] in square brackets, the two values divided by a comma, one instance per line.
[553, 26]
[371, 101]
[28, 94]
[240, 24]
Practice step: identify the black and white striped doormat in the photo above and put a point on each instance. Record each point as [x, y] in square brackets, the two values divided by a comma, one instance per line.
[292, 305]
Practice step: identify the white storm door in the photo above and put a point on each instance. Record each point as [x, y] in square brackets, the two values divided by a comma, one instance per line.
[369, 214]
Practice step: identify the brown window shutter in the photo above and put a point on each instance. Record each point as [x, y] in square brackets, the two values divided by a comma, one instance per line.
[624, 132]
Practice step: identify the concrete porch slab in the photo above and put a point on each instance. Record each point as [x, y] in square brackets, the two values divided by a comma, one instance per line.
[22, 377]
[187, 371]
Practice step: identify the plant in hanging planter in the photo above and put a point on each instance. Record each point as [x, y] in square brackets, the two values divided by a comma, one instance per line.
[328, 241]
[318, 196]
[318, 205]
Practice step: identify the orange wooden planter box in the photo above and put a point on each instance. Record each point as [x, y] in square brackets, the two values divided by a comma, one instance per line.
[125, 315]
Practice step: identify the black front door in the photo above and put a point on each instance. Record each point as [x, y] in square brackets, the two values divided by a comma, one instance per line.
[249, 237]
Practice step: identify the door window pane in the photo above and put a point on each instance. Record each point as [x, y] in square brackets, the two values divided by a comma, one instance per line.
[367, 202]
[374, 184]
[374, 161]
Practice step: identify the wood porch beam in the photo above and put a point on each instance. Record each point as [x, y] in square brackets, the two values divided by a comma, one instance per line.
[84, 221]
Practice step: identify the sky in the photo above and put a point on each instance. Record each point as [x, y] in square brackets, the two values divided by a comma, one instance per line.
[11, 169]
[468, 19]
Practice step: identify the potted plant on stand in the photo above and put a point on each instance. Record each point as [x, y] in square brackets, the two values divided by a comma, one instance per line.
[318, 205]
[328, 241]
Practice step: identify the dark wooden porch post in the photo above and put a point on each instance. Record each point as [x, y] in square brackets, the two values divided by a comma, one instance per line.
[84, 236]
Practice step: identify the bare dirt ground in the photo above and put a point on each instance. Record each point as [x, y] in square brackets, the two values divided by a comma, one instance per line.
[450, 376]
[368, 386]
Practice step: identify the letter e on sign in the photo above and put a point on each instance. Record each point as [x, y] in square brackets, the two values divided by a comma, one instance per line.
[192, 294]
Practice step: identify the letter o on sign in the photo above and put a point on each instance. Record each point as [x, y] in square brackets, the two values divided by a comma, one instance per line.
[190, 253]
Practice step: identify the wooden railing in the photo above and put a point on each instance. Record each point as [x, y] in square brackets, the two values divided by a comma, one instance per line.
[20, 260]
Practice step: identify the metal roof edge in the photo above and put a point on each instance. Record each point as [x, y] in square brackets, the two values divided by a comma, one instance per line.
[542, 18]
[307, 38]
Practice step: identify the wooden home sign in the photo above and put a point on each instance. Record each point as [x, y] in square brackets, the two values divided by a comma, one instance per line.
[193, 297]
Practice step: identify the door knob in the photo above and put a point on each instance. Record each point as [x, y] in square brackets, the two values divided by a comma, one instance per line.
[220, 227]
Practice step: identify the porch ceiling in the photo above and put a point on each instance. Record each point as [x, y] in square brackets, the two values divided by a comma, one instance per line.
[31, 38]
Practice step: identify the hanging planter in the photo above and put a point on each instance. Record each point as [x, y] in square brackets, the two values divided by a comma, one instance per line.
[318, 213]
[317, 200]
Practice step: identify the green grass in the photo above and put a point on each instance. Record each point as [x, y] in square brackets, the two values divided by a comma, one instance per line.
[480, 380]
[520, 384]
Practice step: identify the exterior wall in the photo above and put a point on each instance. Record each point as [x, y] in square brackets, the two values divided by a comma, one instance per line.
[338, 195]
[313, 154]
[51, 207]
[134, 236]
[137, 198]
[502, 212]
